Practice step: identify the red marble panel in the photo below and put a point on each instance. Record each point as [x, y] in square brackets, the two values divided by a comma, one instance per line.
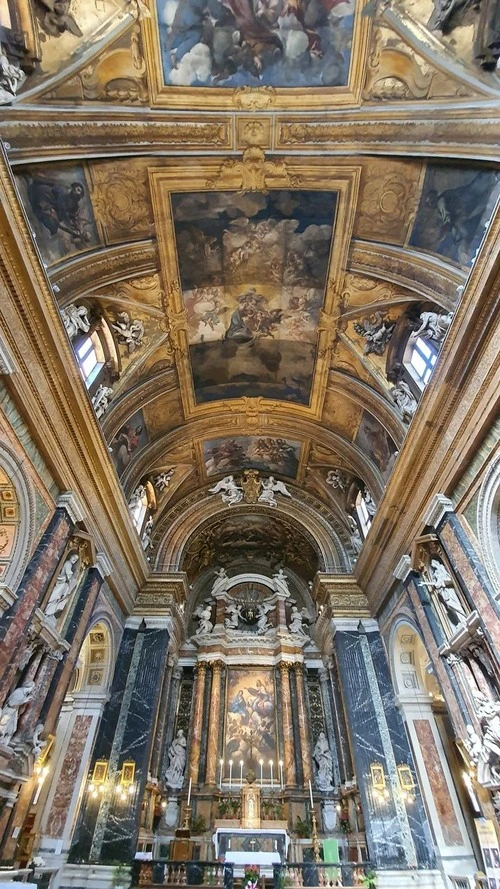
[68, 776]
[29, 595]
[452, 834]
[461, 562]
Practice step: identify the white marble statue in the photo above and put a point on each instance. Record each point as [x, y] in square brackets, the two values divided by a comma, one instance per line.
[65, 583]
[324, 762]
[404, 399]
[9, 714]
[174, 776]
[441, 581]
[162, 480]
[377, 332]
[297, 621]
[370, 504]
[270, 487]
[485, 751]
[203, 613]
[337, 479]
[136, 497]
[146, 539]
[263, 610]
[101, 399]
[355, 536]
[11, 78]
[433, 326]
[129, 333]
[232, 612]
[38, 744]
[75, 318]
[280, 583]
[228, 489]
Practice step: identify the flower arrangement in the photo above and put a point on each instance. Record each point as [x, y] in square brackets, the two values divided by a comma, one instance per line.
[251, 878]
[344, 823]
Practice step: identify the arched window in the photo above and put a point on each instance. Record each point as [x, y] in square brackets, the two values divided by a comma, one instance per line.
[363, 514]
[90, 357]
[420, 359]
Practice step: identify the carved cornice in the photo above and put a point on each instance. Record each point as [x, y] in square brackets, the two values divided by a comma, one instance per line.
[340, 597]
[91, 135]
[84, 274]
[430, 277]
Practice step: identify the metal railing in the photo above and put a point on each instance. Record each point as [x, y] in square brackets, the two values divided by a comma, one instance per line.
[183, 873]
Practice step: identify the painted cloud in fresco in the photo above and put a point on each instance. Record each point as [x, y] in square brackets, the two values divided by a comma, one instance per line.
[455, 207]
[281, 43]
[250, 452]
[253, 272]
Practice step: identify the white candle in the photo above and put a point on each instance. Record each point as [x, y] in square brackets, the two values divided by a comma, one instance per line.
[230, 773]
[241, 772]
[311, 795]
[271, 764]
[261, 763]
[281, 773]
[189, 791]
[221, 771]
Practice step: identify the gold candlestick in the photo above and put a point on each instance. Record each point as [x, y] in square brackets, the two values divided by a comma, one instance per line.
[315, 839]
[188, 811]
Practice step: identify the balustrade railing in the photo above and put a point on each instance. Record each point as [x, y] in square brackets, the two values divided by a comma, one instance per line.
[183, 873]
[347, 874]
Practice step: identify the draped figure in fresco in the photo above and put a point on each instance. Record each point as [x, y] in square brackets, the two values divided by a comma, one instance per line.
[57, 207]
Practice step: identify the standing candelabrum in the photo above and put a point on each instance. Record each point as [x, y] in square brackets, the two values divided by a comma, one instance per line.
[315, 839]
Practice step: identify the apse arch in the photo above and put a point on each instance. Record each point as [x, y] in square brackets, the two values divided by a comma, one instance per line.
[16, 519]
[314, 520]
[488, 520]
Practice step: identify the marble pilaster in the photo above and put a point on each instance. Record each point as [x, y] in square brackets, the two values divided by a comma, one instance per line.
[108, 826]
[197, 724]
[305, 740]
[392, 841]
[286, 715]
[213, 728]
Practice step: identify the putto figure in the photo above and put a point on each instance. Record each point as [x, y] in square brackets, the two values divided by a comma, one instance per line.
[228, 489]
[129, 333]
[270, 487]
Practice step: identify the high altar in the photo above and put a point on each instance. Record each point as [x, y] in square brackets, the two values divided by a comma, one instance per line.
[251, 842]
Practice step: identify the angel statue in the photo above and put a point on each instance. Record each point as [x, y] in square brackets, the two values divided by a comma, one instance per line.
[370, 504]
[297, 621]
[355, 536]
[129, 333]
[65, 583]
[101, 399]
[228, 489]
[441, 581]
[434, 326]
[75, 318]
[9, 714]
[270, 487]
[162, 480]
[324, 762]
[233, 611]
[263, 621]
[204, 613]
[403, 397]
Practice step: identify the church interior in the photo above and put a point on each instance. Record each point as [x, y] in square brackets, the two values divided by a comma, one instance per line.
[249, 490]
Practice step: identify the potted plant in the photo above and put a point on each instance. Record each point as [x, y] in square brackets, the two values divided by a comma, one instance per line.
[251, 877]
[121, 876]
[303, 827]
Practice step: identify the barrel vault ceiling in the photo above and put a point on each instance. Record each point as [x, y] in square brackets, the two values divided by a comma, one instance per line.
[260, 184]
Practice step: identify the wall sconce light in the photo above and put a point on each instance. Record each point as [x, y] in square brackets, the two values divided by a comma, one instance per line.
[99, 776]
[126, 780]
[406, 782]
[377, 776]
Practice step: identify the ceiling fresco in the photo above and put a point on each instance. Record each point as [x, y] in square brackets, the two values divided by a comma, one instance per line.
[247, 452]
[271, 193]
[253, 271]
[256, 42]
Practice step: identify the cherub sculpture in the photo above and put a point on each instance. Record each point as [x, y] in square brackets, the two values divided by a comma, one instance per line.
[270, 487]
[128, 332]
[228, 489]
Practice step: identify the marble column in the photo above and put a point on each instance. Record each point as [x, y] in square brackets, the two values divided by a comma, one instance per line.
[16, 620]
[342, 771]
[197, 724]
[287, 718]
[213, 728]
[108, 826]
[397, 833]
[305, 737]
